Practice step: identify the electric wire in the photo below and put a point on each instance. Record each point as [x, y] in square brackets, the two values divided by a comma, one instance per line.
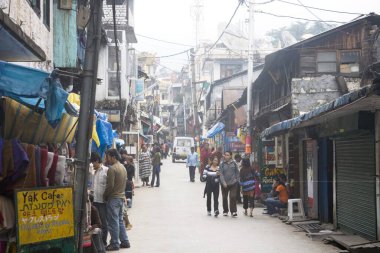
[298, 18]
[321, 9]
[220, 36]
[165, 41]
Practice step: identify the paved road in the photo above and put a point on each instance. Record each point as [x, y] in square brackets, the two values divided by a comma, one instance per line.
[173, 218]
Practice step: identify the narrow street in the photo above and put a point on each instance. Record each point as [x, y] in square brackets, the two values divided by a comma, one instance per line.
[173, 218]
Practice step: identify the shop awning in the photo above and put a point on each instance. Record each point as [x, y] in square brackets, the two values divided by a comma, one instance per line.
[23, 123]
[18, 81]
[364, 99]
[16, 46]
[217, 128]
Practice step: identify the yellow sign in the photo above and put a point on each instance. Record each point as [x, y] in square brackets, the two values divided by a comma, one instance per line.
[44, 214]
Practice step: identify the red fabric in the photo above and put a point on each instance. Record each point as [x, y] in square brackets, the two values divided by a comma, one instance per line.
[44, 155]
[53, 169]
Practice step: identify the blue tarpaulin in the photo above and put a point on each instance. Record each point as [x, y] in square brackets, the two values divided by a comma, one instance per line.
[18, 81]
[217, 128]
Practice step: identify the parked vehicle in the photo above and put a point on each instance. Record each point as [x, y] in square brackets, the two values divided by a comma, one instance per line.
[181, 147]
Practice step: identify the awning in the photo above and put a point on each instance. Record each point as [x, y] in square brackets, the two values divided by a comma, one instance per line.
[23, 123]
[217, 128]
[364, 99]
[15, 45]
[18, 81]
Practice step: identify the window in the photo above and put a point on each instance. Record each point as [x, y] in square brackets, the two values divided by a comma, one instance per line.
[46, 13]
[111, 37]
[229, 69]
[349, 62]
[36, 6]
[117, 2]
[113, 85]
[112, 64]
[326, 62]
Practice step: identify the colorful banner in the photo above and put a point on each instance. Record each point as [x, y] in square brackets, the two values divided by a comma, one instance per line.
[44, 215]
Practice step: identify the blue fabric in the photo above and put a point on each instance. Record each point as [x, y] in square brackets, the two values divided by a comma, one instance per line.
[55, 103]
[104, 130]
[18, 81]
[217, 128]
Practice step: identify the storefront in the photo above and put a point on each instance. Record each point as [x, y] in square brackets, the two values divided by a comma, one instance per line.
[339, 165]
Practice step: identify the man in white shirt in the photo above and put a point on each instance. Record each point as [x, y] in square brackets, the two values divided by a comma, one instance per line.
[99, 186]
[191, 163]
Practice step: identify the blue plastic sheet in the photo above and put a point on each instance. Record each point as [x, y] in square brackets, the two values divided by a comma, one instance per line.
[18, 81]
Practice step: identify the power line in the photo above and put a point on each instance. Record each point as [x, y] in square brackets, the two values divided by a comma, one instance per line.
[166, 56]
[312, 13]
[224, 30]
[165, 41]
[306, 19]
[320, 9]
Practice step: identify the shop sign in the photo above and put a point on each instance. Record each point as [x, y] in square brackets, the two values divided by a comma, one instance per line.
[44, 214]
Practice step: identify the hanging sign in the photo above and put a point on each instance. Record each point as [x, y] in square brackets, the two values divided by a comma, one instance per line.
[44, 214]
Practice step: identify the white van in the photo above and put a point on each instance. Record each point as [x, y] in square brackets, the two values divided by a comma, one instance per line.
[181, 147]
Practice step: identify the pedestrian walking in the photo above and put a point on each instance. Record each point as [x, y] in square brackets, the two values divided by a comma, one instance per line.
[144, 165]
[99, 186]
[191, 163]
[205, 155]
[114, 194]
[129, 188]
[156, 162]
[229, 177]
[211, 176]
[247, 183]
[238, 160]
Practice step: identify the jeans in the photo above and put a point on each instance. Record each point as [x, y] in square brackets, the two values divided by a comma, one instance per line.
[156, 173]
[214, 190]
[273, 204]
[102, 209]
[192, 173]
[115, 220]
[231, 189]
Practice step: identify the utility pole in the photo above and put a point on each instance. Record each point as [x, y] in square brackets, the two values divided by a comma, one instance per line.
[194, 93]
[248, 148]
[86, 117]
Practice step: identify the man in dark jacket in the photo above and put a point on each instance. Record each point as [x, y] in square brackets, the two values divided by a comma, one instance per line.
[229, 178]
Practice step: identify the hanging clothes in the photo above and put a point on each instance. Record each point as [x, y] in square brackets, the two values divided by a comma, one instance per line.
[8, 213]
[60, 171]
[44, 158]
[52, 171]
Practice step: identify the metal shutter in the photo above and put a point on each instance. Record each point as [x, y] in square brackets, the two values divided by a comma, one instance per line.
[355, 185]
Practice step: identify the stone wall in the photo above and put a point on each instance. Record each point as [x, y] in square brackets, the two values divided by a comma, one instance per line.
[309, 93]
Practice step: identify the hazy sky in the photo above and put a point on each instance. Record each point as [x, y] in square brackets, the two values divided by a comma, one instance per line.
[172, 20]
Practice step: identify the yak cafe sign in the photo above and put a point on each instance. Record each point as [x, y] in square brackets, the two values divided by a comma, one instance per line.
[44, 214]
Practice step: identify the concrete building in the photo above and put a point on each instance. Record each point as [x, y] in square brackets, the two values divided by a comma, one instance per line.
[107, 95]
